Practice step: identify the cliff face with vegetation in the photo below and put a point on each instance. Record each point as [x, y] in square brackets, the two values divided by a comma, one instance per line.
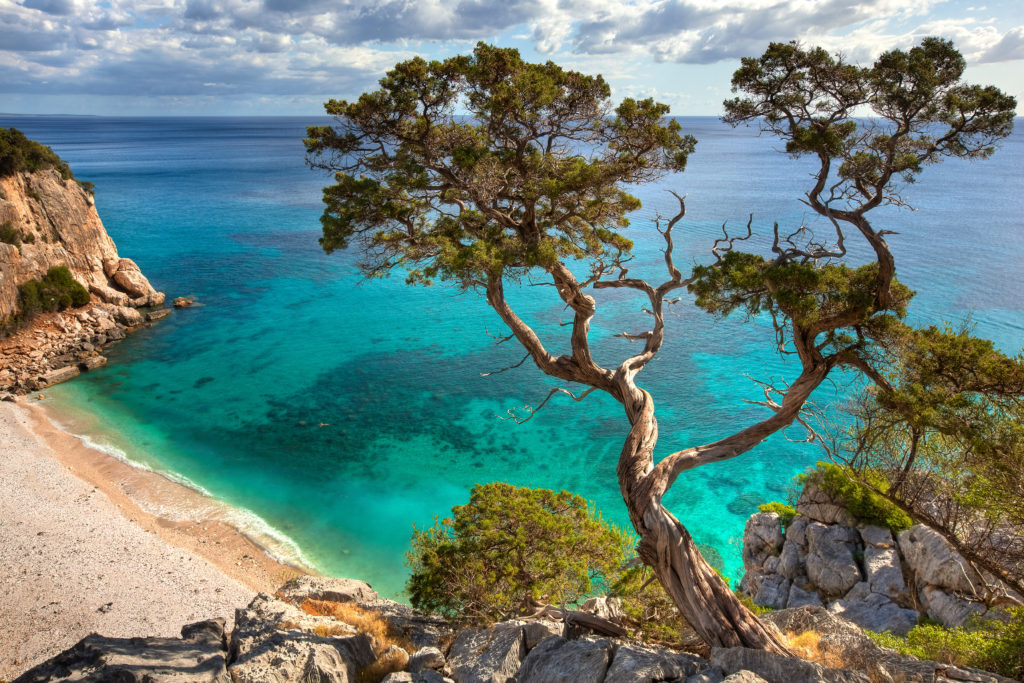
[50, 221]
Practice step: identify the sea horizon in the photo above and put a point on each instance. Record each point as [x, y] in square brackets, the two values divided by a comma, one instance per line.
[338, 413]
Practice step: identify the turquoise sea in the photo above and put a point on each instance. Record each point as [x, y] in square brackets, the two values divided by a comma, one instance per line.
[334, 413]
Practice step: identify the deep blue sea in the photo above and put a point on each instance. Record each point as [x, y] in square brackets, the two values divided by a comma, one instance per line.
[335, 414]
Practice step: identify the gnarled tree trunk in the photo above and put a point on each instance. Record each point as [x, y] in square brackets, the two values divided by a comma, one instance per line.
[698, 591]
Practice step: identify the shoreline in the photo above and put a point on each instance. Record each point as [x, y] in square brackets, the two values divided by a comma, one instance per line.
[73, 562]
[155, 502]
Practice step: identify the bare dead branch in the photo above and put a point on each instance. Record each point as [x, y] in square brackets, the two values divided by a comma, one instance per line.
[510, 367]
[531, 411]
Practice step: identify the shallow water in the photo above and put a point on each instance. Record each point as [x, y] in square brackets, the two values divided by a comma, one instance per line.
[339, 413]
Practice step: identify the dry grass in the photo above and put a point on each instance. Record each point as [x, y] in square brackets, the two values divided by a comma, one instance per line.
[806, 646]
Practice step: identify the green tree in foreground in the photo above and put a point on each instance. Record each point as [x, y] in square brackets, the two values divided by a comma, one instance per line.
[509, 548]
[534, 182]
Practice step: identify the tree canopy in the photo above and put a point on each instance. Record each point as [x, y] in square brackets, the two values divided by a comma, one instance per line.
[510, 548]
[481, 168]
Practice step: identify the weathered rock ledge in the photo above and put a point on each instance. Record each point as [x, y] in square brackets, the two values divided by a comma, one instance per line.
[305, 632]
[862, 573]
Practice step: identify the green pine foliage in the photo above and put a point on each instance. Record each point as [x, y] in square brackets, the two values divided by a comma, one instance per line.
[55, 292]
[510, 546]
[19, 154]
[995, 645]
[785, 512]
[863, 503]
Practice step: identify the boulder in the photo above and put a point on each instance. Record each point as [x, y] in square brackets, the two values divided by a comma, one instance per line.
[636, 664]
[949, 610]
[130, 279]
[773, 591]
[798, 597]
[127, 316]
[59, 375]
[557, 660]
[715, 675]
[874, 611]
[274, 642]
[183, 302]
[762, 538]
[92, 362]
[109, 294]
[743, 677]
[831, 567]
[777, 668]
[935, 562]
[326, 588]
[876, 536]
[199, 656]
[421, 630]
[488, 655]
[883, 572]
[158, 314]
[426, 658]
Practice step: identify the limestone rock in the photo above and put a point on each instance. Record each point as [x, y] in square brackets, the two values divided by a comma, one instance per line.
[831, 566]
[874, 612]
[635, 664]
[199, 656]
[773, 591]
[109, 294]
[158, 314]
[884, 574]
[274, 642]
[744, 677]
[426, 658]
[773, 667]
[934, 562]
[92, 362]
[490, 655]
[821, 506]
[422, 630]
[129, 317]
[798, 597]
[715, 675]
[131, 280]
[557, 660]
[59, 375]
[876, 536]
[183, 302]
[762, 538]
[949, 610]
[791, 561]
[326, 588]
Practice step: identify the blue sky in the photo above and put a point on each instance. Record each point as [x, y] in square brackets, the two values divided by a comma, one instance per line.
[269, 57]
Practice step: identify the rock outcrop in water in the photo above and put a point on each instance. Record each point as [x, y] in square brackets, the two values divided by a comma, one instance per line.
[339, 631]
[49, 221]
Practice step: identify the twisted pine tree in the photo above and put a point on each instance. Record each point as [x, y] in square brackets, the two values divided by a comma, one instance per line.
[534, 179]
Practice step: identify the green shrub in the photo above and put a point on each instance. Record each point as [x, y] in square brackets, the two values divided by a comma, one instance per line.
[9, 235]
[18, 153]
[988, 644]
[785, 512]
[55, 292]
[508, 547]
[864, 504]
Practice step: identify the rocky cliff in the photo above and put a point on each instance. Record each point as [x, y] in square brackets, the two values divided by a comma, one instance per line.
[56, 222]
[47, 220]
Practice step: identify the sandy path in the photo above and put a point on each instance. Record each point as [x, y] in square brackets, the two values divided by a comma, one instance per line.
[78, 557]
